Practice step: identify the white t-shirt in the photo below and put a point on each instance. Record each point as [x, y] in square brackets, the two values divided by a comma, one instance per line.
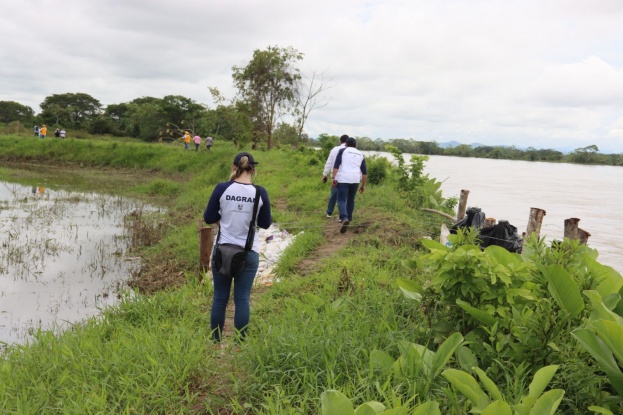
[351, 164]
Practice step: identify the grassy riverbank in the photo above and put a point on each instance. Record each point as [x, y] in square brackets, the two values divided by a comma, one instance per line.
[338, 319]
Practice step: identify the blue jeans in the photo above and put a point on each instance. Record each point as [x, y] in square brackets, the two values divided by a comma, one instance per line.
[242, 294]
[332, 201]
[346, 193]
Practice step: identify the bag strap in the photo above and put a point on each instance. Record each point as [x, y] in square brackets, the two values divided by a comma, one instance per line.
[251, 233]
[249, 244]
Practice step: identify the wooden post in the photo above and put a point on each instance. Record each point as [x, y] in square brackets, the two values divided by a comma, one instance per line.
[534, 222]
[583, 236]
[205, 246]
[460, 214]
[571, 228]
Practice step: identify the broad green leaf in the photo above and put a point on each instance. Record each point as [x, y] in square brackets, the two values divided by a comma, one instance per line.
[445, 352]
[410, 289]
[498, 408]
[541, 379]
[564, 290]
[600, 311]
[479, 315]
[607, 279]
[381, 361]
[603, 355]
[467, 385]
[434, 245]
[426, 357]
[611, 300]
[548, 402]
[489, 385]
[612, 334]
[467, 360]
[427, 408]
[370, 408]
[335, 402]
[396, 411]
[600, 410]
[504, 257]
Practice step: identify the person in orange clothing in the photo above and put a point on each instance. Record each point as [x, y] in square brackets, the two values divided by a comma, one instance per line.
[43, 131]
[186, 140]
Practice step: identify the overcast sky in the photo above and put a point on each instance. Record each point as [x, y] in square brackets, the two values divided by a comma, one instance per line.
[541, 73]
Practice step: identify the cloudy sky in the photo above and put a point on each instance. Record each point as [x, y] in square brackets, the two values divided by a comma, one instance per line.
[541, 73]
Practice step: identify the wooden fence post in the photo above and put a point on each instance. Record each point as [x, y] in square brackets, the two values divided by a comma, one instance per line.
[571, 228]
[205, 246]
[460, 214]
[534, 222]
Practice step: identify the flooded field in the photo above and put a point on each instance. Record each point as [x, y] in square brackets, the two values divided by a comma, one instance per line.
[63, 256]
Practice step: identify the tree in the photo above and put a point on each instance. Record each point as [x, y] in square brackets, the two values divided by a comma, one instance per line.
[76, 110]
[268, 87]
[309, 98]
[585, 154]
[13, 111]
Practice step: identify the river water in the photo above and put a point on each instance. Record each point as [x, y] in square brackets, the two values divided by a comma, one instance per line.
[507, 189]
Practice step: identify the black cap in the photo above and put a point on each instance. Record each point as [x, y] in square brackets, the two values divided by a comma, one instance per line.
[351, 142]
[241, 155]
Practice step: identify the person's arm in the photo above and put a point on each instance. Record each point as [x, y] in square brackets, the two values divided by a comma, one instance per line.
[211, 214]
[336, 166]
[264, 217]
[364, 176]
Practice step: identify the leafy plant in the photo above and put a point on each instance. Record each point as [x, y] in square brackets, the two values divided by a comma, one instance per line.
[536, 402]
[334, 402]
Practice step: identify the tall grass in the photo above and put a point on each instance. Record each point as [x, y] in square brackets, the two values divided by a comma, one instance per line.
[312, 331]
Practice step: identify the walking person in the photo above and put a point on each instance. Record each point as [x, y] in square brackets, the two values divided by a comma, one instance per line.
[43, 131]
[186, 140]
[57, 133]
[36, 129]
[231, 206]
[328, 168]
[63, 133]
[208, 142]
[348, 171]
[197, 141]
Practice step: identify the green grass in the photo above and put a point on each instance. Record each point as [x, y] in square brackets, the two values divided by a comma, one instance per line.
[312, 331]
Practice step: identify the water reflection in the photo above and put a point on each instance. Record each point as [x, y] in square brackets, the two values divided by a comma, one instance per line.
[62, 256]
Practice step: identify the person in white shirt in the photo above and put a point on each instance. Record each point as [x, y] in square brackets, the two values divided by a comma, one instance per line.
[348, 171]
[328, 167]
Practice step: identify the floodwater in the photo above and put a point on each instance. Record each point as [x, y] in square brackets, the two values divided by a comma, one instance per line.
[63, 257]
[508, 189]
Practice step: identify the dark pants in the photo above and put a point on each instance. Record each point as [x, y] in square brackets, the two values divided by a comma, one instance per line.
[346, 193]
[242, 294]
[332, 201]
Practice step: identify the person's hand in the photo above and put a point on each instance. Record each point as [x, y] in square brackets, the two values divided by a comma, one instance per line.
[333, 183]
[362, 188]
[324, 179]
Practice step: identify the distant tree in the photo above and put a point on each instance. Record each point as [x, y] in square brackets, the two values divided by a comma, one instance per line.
[584, 155]
[13, 111]
[268, 87]
[75, 110]
[286, 134]
[308, 98]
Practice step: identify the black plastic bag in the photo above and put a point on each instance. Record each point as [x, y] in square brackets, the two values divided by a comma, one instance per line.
[503, 234]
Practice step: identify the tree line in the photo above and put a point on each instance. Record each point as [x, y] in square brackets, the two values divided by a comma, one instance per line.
[584, 155]
[272, 104]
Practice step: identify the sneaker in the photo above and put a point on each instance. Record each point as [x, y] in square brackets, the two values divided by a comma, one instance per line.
[328, 216]
[345, 224]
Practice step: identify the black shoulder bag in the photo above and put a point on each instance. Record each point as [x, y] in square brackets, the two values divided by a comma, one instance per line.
[229, 259]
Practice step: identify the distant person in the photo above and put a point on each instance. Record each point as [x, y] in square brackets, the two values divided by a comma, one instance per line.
[36, 129]
[197, 141]
[231, 206]
[209, 142]
[328, 167]
[63, 133]
[186, 140]
[349, 169]
[57, 133]
[43, 131]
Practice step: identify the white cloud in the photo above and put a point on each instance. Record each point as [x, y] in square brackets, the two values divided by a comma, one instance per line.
[544, 72]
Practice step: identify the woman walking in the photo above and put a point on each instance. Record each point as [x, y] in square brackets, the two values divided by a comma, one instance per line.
[231, 205]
